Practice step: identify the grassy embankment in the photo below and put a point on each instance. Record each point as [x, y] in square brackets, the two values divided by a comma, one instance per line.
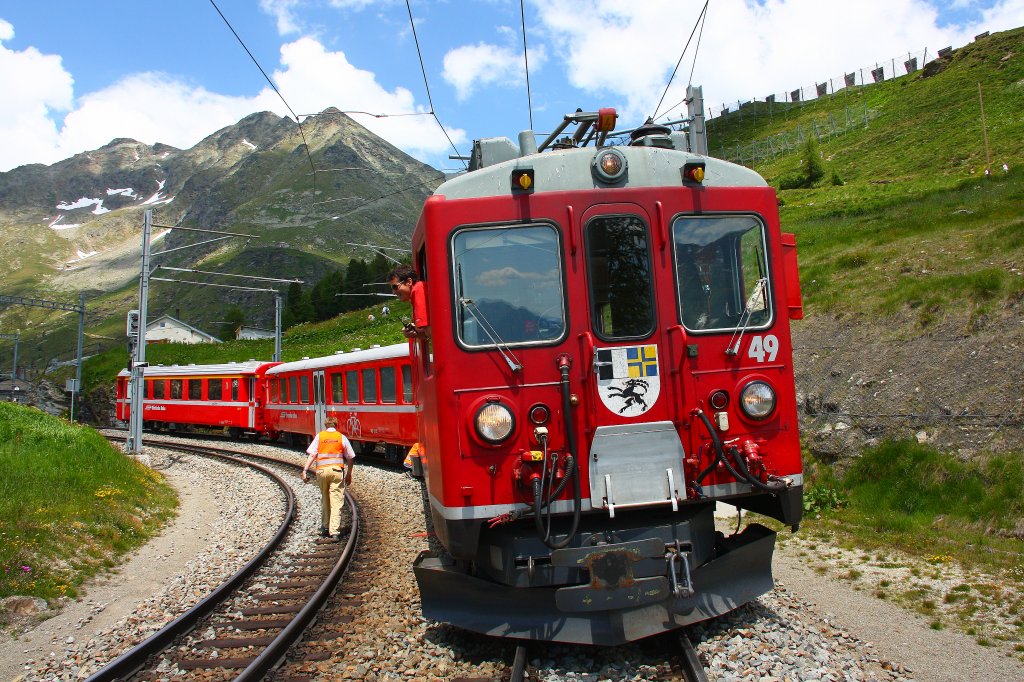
[70, 504]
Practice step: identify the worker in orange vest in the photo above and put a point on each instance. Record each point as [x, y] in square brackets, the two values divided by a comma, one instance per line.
[333, 456]
[415, 451]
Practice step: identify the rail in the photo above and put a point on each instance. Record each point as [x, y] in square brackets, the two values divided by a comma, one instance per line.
[136, 658]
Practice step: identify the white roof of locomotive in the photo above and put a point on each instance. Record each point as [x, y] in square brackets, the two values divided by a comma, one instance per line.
[569, 169]
[229, 368]
[397, 350]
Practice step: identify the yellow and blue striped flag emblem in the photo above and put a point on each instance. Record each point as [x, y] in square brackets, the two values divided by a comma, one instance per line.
[642, 361]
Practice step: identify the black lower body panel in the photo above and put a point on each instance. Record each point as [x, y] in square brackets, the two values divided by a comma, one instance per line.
[739, 573]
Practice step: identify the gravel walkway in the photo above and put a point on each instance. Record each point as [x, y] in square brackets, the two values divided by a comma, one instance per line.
[789, 634]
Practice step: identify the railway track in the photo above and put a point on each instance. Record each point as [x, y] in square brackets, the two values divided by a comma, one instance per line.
[290, 586]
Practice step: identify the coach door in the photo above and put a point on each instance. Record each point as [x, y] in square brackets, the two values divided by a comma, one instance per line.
[636, 456]
[319, 400]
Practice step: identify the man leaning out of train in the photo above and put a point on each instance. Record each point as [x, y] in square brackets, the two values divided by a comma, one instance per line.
[406, 285]
[333, 457]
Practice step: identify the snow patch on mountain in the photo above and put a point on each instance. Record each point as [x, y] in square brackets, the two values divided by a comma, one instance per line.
[158, 196]
[126, 191]
[248, 144]
[57, 225]
[82, 255]
[82, 203]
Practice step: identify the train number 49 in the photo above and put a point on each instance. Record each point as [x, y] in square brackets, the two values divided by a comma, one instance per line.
[764, 348]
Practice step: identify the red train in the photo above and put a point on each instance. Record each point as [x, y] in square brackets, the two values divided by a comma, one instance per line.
[369, 391]
[609, 357]
[227, 395]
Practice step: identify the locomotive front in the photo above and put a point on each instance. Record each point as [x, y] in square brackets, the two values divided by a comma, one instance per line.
[609, 357]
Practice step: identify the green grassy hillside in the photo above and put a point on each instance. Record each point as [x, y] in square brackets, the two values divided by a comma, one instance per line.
[915, 224]
[70, 504]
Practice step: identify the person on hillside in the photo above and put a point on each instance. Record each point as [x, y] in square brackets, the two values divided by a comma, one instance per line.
[405, 283]
[333, 456]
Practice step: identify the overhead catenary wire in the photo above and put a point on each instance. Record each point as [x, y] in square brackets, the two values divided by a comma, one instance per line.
[423, 69]
[680, 61]
[693, 66]
[526, 63]
[245, 47]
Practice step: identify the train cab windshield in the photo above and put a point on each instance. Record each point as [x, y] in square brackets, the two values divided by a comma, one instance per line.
[508, 286]
[721, 272]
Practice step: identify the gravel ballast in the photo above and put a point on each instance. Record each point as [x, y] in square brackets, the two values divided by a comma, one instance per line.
[805, 629]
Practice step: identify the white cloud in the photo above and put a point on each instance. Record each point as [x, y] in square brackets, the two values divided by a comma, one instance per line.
[156, 107]
[626, 52]
[34, 86]
[471, 66]
[152, 107]
[282, 12]
[313, 78]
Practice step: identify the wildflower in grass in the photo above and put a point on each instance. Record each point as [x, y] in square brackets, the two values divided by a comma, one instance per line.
[26, 569]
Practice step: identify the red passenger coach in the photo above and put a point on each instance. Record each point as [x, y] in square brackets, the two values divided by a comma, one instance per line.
[610, 356]
[369, 391]
[226, 395]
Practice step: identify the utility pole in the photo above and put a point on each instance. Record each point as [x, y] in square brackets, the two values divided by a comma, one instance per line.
[73, 385]
[697, 134]
[277, 327]
[77, 393]
[136, 383]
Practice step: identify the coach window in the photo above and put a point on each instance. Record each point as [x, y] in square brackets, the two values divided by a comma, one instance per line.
[388, 389]
[234, 389]
[304, 388]
[176, 389]
[619, 263]
[293, 389]
[337, 389]
[158, 388]
[369, 385]
[214, 389]
[721, 272]
[195, 389]
[508, 285]
[352, 387]
[406, 384]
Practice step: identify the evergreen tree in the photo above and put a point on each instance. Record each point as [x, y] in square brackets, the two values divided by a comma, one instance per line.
[357, 275]
[233, 319]
[814, 168]
[298, 308]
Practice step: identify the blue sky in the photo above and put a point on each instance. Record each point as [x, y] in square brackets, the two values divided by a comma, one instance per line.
[78, 73]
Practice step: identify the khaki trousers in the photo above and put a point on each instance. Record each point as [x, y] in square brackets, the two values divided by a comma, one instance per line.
[332, 497]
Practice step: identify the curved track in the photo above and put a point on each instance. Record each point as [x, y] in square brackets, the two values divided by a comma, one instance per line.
[311, 589]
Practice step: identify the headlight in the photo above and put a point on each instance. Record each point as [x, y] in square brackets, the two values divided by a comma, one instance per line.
[494, 422]
[757, 400]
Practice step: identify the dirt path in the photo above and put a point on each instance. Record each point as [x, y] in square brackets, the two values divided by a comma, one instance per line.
[899, 635]
[114, 596]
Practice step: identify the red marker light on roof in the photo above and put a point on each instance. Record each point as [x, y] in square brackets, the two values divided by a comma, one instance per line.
[694, 172]
[606, 120]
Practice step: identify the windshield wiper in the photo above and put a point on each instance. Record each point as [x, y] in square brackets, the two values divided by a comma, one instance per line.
[491, 332]
[756, 302]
